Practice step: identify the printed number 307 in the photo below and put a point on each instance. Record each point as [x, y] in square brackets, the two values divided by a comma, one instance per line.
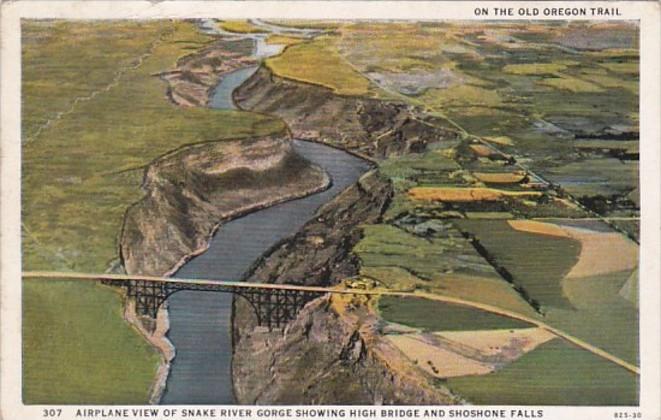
[52, 412]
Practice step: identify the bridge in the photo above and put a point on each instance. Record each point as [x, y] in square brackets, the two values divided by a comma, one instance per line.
[274, 304]
[277, 304]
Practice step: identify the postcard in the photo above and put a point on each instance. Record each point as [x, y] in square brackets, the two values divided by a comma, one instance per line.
[337, 210]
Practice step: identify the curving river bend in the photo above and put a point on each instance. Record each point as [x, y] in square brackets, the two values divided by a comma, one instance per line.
[200, 322]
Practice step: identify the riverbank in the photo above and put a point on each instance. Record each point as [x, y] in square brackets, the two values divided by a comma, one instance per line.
[158, 339]
[97, 146]
[371, 128]
[84, 152]
[184, 196]
[189, 194]
[195, 76]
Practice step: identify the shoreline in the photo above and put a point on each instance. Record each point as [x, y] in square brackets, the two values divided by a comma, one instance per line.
[158, 338]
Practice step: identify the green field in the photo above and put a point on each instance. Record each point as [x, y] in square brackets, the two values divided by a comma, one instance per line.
[386, 245]
[590, 308]
[603, 317]
[77, 349]
[537, 263]
[554, 374]
[436, 316]
[319, 62]
[80, 173]
[526, 83]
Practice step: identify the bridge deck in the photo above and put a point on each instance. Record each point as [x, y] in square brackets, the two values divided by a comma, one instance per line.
[204, 282]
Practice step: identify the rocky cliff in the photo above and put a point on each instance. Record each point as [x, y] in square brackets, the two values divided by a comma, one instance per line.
[332, 353]
[320, 253]
[370, 127]
[195, 76]
[191, 190]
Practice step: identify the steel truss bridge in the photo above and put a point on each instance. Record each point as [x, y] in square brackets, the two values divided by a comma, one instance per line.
[274, 304]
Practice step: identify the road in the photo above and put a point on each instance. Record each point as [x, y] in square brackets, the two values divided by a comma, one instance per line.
[373, 292]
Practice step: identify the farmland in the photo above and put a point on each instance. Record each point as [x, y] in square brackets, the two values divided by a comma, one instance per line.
[239, 26]
[537, 262]
[555, 373]
[499, 82]
[326, 68]
[549, 108]
[420, 313]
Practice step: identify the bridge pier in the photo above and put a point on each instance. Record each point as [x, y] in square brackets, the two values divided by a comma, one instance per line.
[278, 307]
[149, 296]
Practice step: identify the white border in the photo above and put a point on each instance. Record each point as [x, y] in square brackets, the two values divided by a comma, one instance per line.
[10, 234]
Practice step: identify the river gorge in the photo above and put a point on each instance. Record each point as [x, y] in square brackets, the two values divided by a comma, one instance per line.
[286, 208]
[200, 323]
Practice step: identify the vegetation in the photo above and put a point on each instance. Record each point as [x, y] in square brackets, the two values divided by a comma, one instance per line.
[240, 26]
[628, 67]
[602, 315]
[527, 90]
[441, 262]
[433, 167]
[77, 350]
[550, 108]
[319, 62]
[284, 40]
[47, 47]
[596, 176]
[571, 84]
[536, 68]
[436, 316]
[469, 99]
[373, 46]
[307, 24]
[537, 263]
[81, 172]
[454, 194]
[556, 373]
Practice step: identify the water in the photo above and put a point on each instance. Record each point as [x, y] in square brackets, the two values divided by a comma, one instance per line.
[221, 98]
[264, 50]
[200, 322]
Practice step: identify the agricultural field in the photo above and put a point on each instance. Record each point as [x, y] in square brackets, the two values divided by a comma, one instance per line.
[554, 374]
[326, 67]
[239, 26]
[549, 96]
[545, 99]
[431, 316]
[537, 262]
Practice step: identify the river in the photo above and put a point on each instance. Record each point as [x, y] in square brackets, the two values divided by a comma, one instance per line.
[200, 322]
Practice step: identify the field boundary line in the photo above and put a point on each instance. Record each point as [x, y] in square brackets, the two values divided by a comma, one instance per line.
[515, 315]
